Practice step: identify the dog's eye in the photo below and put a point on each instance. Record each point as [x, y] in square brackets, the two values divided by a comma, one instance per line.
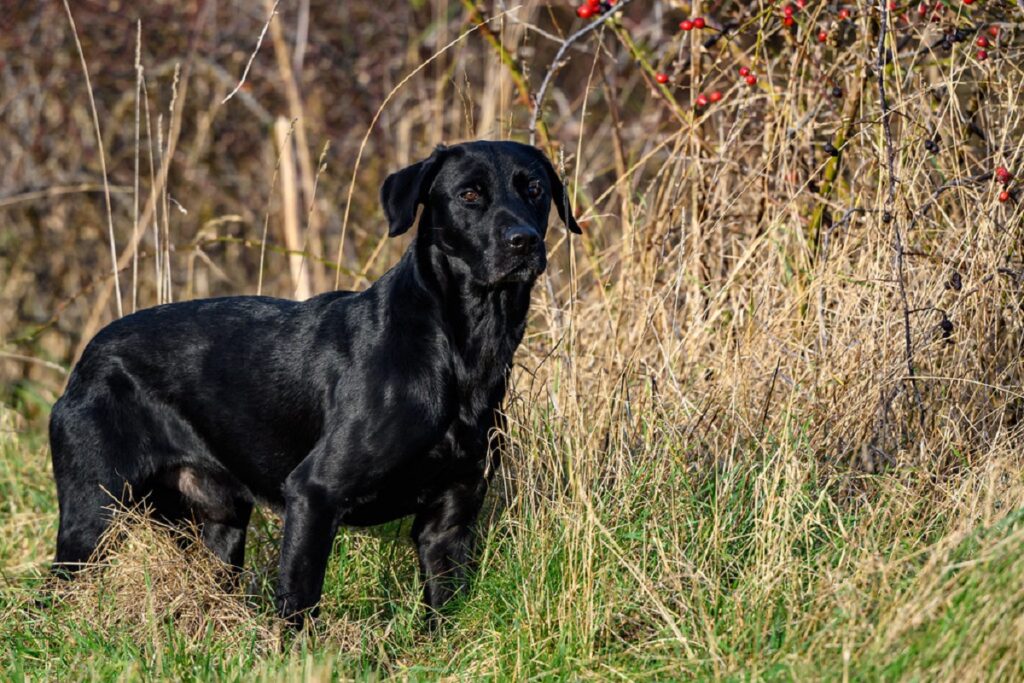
[469, 196]
[534, 190]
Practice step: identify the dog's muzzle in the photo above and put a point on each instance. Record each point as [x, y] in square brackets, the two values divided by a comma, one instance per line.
[524, 254]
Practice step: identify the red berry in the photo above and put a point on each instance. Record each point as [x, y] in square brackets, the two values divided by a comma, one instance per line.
[892, 5]
[844, 14]
[716, 96]
[788, 10]
[686, 25]
[584, 12]
[1004, 196]
[751, 79]
[702, 100]
[822, 36]
[788, 21]
[982, 55]
[968, 2]
[698, 22]
[993, 31]
[801, 3]
[1002, 175]
[982, 41]
[744, 71]
[922, 10]
[661, 78]
[594, 4]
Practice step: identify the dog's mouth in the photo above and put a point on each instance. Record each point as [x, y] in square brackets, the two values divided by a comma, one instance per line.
[526, 269]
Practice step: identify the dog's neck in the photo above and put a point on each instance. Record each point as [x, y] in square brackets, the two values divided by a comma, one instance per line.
[484, 323]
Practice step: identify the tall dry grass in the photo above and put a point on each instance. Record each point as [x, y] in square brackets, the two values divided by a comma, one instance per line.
[757, 427]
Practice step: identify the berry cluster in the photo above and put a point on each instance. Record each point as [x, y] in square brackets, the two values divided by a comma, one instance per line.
[1003, 177]
[690, 24]
[984, 43]
[789, 17]
[593, 8]
[837, 31]
[704, 100]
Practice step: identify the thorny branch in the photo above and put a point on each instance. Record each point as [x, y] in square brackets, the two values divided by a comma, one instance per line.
[560, 59]
[897, 237]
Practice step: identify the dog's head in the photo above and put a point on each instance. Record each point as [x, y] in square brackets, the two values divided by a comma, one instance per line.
[484, 203]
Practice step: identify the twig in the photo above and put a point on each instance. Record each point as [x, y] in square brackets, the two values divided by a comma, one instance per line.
[826, 234]
[768, 397]
[301, 37]
[897, 236]
[535, 29]
[270, 198]
[559, 60]
[849, 120]
[103, 160]
[252, 57]
[959, 182]
[38, 361]
[135, 209]
[57, 191]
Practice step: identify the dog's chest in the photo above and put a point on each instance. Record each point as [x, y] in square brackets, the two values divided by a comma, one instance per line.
[479, 377]
[481, 369]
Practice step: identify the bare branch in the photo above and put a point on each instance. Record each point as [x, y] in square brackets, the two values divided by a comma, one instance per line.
[890, 151]
[560, 59]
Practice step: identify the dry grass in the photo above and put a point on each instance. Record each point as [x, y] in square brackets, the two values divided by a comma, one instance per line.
[154, 576]
[728, 461]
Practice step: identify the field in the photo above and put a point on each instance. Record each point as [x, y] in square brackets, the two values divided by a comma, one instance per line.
[768, 419]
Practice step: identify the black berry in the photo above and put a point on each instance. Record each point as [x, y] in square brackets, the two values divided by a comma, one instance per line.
[947, 327]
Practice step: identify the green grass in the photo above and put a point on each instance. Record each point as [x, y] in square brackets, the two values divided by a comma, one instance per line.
[765, 569]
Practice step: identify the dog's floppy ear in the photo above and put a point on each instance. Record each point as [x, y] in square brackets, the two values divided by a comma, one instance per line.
[404, 191]
[559, 197]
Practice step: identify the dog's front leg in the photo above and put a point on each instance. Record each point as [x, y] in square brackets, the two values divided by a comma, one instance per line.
[443, 532]
[310, 524]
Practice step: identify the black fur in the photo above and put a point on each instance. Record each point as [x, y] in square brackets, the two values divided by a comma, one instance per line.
[346, 409]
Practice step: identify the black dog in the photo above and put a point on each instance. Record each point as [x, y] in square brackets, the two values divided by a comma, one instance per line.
[349, 408]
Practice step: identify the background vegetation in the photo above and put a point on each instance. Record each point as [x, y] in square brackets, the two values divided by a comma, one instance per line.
[768, 420]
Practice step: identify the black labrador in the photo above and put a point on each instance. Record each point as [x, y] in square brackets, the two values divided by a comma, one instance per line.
[351, 408]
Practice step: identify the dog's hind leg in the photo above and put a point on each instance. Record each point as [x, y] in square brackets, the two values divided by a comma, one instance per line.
[107, 437]
[85, 513]
[221, 505]
[86, 489]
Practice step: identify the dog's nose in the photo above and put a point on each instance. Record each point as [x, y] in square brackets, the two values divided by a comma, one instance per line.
[521, 239]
